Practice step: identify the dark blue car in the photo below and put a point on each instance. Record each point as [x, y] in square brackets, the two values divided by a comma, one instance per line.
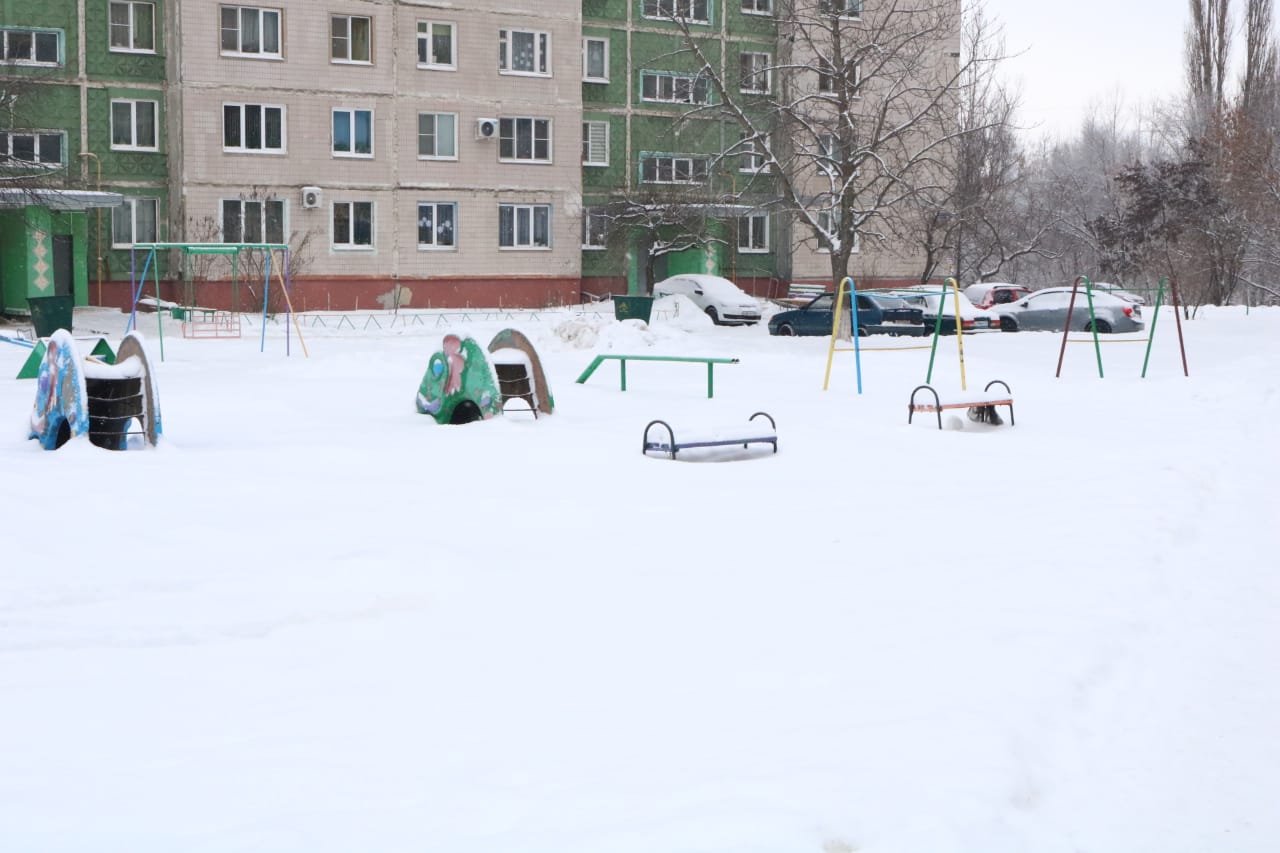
[877, 314]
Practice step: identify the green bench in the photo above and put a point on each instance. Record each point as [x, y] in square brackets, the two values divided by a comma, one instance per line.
[623, 359]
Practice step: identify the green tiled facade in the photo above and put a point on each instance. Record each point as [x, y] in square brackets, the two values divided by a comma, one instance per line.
[73, 97]
[640, 128]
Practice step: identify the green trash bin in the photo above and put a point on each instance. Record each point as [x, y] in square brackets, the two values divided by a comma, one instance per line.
[50, 313]
[633, 307]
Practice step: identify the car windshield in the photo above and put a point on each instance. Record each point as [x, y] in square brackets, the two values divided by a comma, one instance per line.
[822, 303]
[720, 288]
[889, 301]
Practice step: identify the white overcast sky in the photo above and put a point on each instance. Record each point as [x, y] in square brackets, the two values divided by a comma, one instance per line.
[1086, 51]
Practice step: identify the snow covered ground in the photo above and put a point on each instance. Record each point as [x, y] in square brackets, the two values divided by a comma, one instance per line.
[312, 620]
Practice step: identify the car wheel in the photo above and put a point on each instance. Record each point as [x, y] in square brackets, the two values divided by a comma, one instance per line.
[715, 317]
[862, 331]
[1104, 328]
[786, 330]
[1008, 324]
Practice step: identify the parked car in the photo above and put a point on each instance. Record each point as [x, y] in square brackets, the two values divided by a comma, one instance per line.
[1046, 310]
[721, 299]
[986, 294]
[877, 314]
[972, 319]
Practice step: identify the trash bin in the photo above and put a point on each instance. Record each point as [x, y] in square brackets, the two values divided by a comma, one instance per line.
[633, 307]
[50, 313]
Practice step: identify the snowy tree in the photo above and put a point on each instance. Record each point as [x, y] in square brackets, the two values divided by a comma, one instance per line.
[853, 118]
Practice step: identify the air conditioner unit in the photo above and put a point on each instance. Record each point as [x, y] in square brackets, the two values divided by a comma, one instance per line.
[310, 197]
[486, 128]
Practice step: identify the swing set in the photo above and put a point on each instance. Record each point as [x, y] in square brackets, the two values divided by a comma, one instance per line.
[198, 322]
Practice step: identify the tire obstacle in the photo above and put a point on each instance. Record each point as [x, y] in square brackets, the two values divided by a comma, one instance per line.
[461, 385]
[88, 397]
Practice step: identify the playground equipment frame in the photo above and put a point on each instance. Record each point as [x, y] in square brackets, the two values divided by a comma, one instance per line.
[1151, 333]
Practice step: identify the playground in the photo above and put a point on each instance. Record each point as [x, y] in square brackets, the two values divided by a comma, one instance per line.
[316, 618]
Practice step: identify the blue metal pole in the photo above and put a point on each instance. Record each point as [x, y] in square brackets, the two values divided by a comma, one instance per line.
[853, 309]
[137, 284]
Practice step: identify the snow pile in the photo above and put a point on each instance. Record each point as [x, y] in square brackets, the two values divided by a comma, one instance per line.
[681, 312]
[585, 332]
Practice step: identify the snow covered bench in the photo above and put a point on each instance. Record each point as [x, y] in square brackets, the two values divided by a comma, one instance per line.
[753, 432]
[985, 401]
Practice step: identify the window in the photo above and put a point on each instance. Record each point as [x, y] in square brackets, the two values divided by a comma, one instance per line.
[755, 72]
[693, 11]
[351, 39]
[674, 88]
[133, 27]
[757, 7]
[31, 47]
[524, 226]
[752, 158]
[842, 8]
[134, 221]
[253, 128]
[437, 136]
[826, 75]
[829, 221]
[753, 233]
[437, 225]
[353, 133]
[669, 169]
[133, 125]
[524, 139]
[524, 52]
[436, 45]
[44, 147]
[250, 31]
[595, 230]
[595, 143]
[828, 153]
[252, 220]
[595, 60]
[353, 225]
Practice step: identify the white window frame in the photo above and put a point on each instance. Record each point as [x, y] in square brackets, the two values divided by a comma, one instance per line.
[758, 70]
[541, 53]
[262, 108]
[351, 128]
[419, 135]
[427, 35]
[262, 52]
[676, 81]
[6, 147]
[676, 10]
[757, 7]
[133, 124]
[262, 214]
[828, 215]
[351, 219]
[588, 146]
[676, 160]
[132, 204]
[532, 209]
[34, 33]
[435, 214]
[587, 245]
[845, 11]
[515, 122]
[133, 27]
[751, 158]
[586, 71]
[350, 40]
[757, 225]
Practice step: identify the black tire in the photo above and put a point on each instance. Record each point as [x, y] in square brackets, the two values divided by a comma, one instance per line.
[1104, 328]
[1008, 324]
[862, 331]
[786, 330]
[714, 315]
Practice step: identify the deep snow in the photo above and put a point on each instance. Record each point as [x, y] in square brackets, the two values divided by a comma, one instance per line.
[313, 620]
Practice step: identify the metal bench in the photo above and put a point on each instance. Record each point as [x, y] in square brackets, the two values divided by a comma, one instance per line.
[752, 433]
[986, 400]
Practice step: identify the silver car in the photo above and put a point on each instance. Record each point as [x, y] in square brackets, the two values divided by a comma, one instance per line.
[1046, 310]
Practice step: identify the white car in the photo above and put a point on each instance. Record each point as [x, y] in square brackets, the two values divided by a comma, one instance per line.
[721, 299]
[972, 318]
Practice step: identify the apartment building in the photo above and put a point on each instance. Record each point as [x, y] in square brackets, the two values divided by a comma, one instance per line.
[83, 86]
[653, 139]
[424, 150]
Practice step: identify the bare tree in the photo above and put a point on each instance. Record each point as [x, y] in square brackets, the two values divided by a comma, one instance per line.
[852, 119]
